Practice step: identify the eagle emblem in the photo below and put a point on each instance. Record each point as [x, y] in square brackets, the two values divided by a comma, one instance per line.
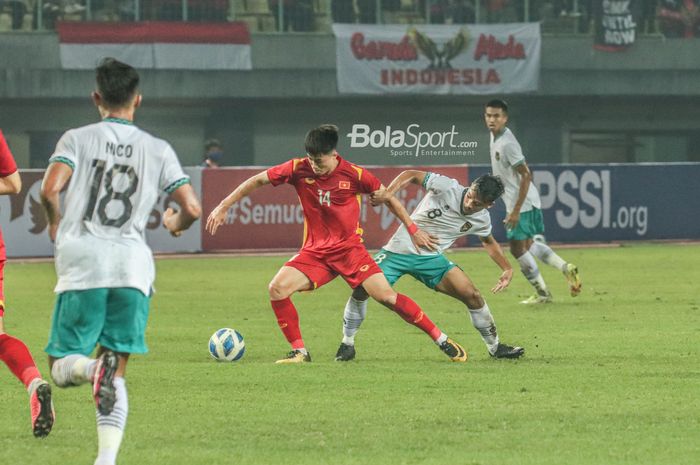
[439, 58]
[466, 227]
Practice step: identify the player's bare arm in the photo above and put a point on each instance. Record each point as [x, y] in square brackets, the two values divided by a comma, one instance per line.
[419, 237]
[190, 210]
[398, 183]
[11, 184]
[496, 253]
[218, 215]
[513, 217]
[55, 178]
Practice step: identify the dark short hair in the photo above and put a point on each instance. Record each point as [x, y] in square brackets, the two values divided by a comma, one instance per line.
[498, 103]
[116, 82]
[488, 187]
[209, 143]
[323, 139]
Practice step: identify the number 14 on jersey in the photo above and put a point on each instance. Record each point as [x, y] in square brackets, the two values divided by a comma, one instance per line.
[324, 197]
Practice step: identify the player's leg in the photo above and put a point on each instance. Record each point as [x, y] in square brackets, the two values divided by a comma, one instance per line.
[302, 273]
[353, 316]
[19, 360]
[456, 284]
[15, 354]
[112, 403]
[519, 248]
[379, 289]
[356, 306]
[123, 334]
[77, 322]
[541, 250]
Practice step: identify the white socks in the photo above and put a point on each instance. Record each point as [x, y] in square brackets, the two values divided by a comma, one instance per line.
[353, 316]
[73, 370]
[77, 369]
[547, 255]
[529, 268]
[110, 428]
[483, 322]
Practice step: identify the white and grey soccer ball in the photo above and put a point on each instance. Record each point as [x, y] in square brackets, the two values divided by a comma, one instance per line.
[226, 345]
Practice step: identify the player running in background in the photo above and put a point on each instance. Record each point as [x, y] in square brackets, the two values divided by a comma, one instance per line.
[114, 172]
[328, 187]
[523, 218]
[447, 212]
[13, 351]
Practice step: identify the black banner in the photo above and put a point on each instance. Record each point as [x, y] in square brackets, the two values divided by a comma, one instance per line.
[616, 24]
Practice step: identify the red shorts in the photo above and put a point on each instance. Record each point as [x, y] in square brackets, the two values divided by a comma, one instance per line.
[353, 263]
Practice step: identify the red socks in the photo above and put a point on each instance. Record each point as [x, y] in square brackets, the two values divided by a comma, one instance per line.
[18, 359]
[288, 321]
[411, 312]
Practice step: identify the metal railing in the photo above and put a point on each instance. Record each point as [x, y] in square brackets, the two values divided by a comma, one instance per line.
[556, 16]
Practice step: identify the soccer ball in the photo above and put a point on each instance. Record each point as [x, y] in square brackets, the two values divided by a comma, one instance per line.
[226, 345]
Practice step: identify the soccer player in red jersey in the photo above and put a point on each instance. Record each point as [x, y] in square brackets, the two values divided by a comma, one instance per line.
[328, 188]
[13, 351]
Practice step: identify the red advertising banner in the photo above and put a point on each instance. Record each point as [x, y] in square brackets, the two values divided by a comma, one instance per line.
[272, 218]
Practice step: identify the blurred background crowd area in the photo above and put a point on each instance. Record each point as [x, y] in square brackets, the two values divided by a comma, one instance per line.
[670, 18]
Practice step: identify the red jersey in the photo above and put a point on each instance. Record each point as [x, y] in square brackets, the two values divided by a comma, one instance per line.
[7, 167]
[331, 203]
[7, 161]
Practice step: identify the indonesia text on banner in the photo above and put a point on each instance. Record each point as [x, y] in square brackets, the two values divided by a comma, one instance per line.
[156, 44]
[456, 59]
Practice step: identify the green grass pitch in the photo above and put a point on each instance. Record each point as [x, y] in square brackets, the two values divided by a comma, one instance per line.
[610, 377]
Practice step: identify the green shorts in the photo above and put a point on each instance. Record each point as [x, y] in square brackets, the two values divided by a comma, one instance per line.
[428, 269]
[113, 317]
[531, 223]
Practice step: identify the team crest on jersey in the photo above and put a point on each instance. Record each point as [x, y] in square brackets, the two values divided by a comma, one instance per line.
[309, 180]
[466, 227]
[498, 156]
[344, 185]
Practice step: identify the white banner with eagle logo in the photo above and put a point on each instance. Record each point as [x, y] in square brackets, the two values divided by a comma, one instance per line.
[438, 59]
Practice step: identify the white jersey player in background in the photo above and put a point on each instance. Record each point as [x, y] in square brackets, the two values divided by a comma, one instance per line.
[447, 212]
[114, 173]
[523, 208]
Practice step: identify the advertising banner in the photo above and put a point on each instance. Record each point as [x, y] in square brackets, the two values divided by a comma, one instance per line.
[23, 221]
[613, 202]
[437, 59]
[271, 218]
[580, 203]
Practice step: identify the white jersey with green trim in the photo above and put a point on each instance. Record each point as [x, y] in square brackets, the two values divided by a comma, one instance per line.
[439, 214]
[506, 155]
[118, 172]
